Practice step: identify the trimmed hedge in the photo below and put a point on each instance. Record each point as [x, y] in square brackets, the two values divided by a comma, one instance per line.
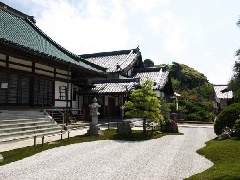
[227, 118]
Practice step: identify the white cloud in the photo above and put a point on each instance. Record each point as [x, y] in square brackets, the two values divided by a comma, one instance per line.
[172, 29]
[220, 74]
[144, 5]
[168, 34]
[86, 27]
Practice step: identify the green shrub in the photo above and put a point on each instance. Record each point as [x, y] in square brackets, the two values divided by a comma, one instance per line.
[227, 118]
[194, 117]
[211, 116]
[237, 124]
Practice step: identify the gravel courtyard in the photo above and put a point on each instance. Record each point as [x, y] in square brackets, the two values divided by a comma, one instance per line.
[171, 157]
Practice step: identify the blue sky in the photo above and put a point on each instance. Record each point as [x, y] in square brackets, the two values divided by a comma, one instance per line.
[199, 33]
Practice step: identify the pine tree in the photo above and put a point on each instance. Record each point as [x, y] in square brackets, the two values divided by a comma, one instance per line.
[144, 104]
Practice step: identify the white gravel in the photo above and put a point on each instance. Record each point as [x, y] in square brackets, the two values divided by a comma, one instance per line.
[170, 157]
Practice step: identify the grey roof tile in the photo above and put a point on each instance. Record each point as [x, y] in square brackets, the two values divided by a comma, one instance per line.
[111, 60]
[158, 75]
[222, 95]
[113, 86]
[22, 32]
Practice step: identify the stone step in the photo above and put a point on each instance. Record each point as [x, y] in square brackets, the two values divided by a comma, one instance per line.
[23, 124]
[16, 125]
[29, 132]
[11, 129]
[22, 120]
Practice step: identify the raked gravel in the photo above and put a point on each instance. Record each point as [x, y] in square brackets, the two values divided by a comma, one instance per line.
[170, 157]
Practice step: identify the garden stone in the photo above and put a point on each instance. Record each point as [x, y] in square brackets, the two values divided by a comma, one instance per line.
[224, 135]
[171, 126]
[124, 128]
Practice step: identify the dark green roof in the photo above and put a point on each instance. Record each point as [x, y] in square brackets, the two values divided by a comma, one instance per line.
[23, 32]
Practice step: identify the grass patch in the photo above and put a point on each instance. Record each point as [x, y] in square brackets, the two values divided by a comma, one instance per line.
[225, 155]
[109, 134]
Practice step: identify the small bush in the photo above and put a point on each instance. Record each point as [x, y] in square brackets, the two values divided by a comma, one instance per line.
[194, 117]
[237, 124]
[227, 118]
[236, 128]
[211, 116]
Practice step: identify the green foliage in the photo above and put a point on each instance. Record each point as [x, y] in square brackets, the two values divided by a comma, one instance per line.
[144, 104]
[176, 84]
[234, 82]
[188, 77]
[196, 111]
[172, 106]
[237, 124]
[225, 156]
[165, 109]
[148, 63]
[194, 117]
[195, 91]
[227, 118]
[211, 116]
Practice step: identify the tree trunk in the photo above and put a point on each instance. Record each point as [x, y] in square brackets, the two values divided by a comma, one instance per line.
[144, 125]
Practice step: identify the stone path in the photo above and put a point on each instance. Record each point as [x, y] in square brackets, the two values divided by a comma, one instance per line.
[170, 157]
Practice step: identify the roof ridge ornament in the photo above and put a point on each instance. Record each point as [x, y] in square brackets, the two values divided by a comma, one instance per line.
[16, 12]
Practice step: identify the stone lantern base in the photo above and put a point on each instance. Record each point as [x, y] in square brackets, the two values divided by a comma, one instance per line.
[94, 130]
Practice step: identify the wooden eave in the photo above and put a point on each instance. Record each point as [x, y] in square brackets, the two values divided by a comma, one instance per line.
[29, 55]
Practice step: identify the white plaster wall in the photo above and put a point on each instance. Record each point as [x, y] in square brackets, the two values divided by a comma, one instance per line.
[217, 100]
[3, 56]
[129, 72]
[75, 103]
[44, 73]
[214, 104]
[20, 67]
[21, 61]
[223, 103]
[61, 103]
[62, 72]
[122, 77]
[44, 67]
[160, 94]
[3, 64]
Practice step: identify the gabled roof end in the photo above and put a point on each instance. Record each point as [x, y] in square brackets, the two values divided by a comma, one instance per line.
[16, 12]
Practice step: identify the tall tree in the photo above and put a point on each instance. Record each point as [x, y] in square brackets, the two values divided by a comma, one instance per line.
[148, 63]
[144, 104]
[234, 83]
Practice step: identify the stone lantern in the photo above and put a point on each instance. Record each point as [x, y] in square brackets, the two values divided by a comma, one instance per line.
[94, 130]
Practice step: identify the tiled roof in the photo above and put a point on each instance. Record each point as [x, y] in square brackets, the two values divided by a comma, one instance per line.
[22, 32]
[113, 86]
[158, 75]
[114, 61]
[222, 95]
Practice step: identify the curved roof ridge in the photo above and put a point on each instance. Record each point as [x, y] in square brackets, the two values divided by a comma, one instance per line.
[110, 53]
[28, 39]
[123, 61]
[15, 12]
[64, 50]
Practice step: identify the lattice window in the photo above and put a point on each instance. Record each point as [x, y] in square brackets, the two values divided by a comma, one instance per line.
[62, 92]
